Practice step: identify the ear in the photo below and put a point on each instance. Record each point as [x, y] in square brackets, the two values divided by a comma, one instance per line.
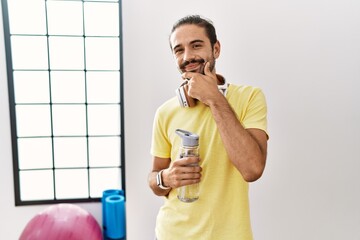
[216, 49]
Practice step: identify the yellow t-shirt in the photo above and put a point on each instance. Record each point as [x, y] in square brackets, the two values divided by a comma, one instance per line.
[222, 210]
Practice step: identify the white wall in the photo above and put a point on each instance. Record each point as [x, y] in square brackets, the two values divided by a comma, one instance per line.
[306, 57]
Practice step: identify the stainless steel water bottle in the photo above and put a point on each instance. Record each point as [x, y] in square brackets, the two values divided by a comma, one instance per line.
[189, 147]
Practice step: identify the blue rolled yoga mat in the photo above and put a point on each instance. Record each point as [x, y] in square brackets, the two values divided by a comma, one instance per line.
[114, 220]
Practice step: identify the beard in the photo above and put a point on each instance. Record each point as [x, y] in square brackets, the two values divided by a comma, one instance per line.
[202, 63]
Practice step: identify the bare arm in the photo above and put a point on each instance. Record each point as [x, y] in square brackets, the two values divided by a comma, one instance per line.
[158, 164]
[247, 148]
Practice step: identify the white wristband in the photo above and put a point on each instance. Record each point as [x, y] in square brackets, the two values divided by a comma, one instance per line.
[159, 180]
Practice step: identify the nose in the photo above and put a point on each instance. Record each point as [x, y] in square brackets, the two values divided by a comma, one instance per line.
[188, 55]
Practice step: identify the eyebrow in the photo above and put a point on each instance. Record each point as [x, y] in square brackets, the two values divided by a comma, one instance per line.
[192, 42]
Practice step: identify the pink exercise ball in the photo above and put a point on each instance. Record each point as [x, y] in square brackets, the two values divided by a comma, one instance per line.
[62, 222]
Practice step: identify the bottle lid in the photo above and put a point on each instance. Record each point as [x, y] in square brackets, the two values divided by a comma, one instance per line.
[188, 138]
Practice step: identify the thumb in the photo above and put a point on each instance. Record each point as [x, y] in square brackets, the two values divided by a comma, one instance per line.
[207, 70]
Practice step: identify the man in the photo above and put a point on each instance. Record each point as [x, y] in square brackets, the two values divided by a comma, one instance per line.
[233, 144]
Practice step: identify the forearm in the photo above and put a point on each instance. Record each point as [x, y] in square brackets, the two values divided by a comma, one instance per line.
[154, 187]
[244, 151]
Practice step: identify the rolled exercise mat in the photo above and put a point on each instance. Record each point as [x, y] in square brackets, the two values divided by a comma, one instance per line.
[106, 193]
[115, 217]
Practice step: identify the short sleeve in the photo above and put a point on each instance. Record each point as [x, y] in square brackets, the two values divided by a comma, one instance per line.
[160, 144]
[256, 111]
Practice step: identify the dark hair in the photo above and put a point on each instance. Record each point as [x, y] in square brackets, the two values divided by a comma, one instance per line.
[201, 22]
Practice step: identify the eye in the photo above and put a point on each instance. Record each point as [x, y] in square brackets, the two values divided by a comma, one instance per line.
[197, 46]
[178, 51]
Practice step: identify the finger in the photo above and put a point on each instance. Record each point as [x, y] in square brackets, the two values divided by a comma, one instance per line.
[185, 161]
[189, 169]
[188, 75]
[207, 69]
[190, 176]
[185, 182]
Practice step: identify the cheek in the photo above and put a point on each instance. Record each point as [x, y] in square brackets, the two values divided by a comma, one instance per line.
[179, 61]
[177, 57]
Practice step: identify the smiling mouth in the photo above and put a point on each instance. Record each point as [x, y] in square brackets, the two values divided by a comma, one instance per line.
[193, 66]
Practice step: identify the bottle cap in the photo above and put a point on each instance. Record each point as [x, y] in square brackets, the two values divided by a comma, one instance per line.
[188, 138]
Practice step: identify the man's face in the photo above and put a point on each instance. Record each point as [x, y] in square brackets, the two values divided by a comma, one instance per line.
[192, 49]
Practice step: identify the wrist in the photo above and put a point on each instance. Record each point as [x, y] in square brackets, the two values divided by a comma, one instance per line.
[159, 181]
[218, 102]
